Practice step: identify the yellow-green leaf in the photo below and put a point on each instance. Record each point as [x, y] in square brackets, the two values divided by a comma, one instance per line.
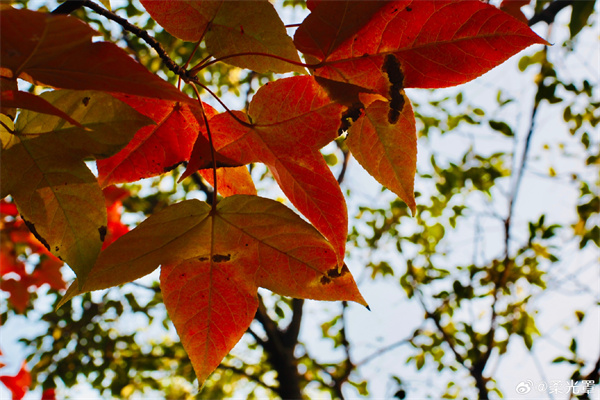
[43, 169]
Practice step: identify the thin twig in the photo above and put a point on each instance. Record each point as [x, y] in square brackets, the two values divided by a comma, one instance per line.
[252, 378]
[142, 34]
[213, 153]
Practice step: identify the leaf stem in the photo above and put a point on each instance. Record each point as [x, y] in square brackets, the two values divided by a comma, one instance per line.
[212, 148]
[252, 53]
[188, 62]
[244, 123]
[142, 34]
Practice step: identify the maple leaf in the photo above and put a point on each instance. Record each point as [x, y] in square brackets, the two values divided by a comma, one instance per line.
[229, 28]
[435, 44]
[43, 169]
[213, 262]
[287, 122]
[159, 148]
[384, 141]
[18, 384]
[57, 50]
[231, 181]
[25, 100]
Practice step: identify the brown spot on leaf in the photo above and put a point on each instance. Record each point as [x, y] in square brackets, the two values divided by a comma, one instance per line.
[334, 273]
[202, 259]
[85, 101]
[221, 257]
[408, 9]
[57, 249]
[102, 232]
[31, 227]
[391, 66]
[325, 280]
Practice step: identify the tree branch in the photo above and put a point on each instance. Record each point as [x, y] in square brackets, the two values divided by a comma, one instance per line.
[68, 7]
[549, 13]
[142, 34]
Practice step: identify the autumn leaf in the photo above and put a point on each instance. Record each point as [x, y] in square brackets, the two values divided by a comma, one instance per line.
[288, 121]
[57, 50]
[159, 148]
[28, 101]
[214, 261]
[231, 27]
[236, 180]
[114, 209]
[513, 7]
[384, 141]
[18, 384]
[43, 169]
[435, 44]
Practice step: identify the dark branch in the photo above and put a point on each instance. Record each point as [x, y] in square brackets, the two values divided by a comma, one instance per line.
[549, 13]
[68, 7]
[142, 34]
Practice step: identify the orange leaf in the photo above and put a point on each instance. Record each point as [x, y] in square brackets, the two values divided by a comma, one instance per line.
[214, 260]
[384, 142]
[436, 43]
[249, 243]
[291, 119]
[231, 180]
[18, 292]
[18, 384]
[57, 50]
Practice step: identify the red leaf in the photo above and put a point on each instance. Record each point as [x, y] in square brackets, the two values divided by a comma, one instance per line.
[291, 119]
[8, 208]
[158, 148]
[435, 43]
[18, 293]
[513, 7]
[246, 243]
[57, 50]
[18, 384]
[114, 209]
[18, 99]
[49, 394]
[384, 141]
[48, 271]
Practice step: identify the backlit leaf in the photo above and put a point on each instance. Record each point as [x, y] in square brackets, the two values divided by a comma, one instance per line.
[213, 262]
[384, 142]
[44, 171]
[158, 148]
[57, 50]
[231, 27]
[434, 43]
[291, 119]
[28, 101]
[236, 180]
